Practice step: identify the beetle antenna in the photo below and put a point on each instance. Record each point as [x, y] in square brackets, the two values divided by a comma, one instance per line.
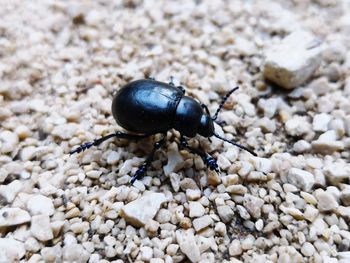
[236, 144]
[223, 100]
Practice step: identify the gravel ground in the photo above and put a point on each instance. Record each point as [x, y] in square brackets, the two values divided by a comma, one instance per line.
[62, 61]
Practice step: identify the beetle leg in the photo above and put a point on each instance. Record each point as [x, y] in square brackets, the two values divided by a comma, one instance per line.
[171, 82]
[182, 89]
[220, 122]
[205, 108]
[207, 159]
[143, 168]
[117, 134]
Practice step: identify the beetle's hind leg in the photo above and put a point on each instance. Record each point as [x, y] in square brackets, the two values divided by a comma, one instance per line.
[207, 159]
[143, 168]
[97, 142]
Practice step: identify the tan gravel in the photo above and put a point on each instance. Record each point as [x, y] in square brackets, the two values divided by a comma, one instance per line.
[62, 61]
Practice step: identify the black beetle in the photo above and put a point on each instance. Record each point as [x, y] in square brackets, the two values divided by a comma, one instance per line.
[146, 107]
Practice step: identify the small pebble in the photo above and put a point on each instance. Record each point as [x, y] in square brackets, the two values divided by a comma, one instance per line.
[301, 179]
[235, 248]
[10, 191]
[11, 250]
[196, 209]
[40, 227]
[188, 245]
[202, 222]
[226, 213]
[326, 201]
[39, 204]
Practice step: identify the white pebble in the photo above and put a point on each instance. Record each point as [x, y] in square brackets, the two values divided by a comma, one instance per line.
[175, 161]
[259, 224]
[300, 178]
[39, 204]
[22, 132]
[193, 194]
[172, 249]
[11, 250]
[320, 122]
[327, 143]
[146, 253]
[3, 174]
[113, 157]
[196, 209]
[297, 126]
[307, 249]
[235, 248]
[65, 131]
[13, 216]
[220, 228]
[75, 253]
[301, 146]
[188, 245]
[226, 213]
[175, 181]
[202, 222]
[223, 162]
[40, 227]
[326, 201]
[10, 191]
[94, 174]
[9, 141]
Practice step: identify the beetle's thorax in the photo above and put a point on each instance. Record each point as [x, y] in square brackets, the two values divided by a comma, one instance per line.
[190, 119]
[206, 126]
[187, 116]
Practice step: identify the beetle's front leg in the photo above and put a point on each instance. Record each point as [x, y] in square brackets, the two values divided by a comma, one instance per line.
[97, 142]
[143, 168]
[207, 159]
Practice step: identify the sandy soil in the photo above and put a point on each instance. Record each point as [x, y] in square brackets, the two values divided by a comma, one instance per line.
[62, 61]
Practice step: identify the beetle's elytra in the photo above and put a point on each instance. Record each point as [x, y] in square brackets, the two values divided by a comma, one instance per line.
[146, 107]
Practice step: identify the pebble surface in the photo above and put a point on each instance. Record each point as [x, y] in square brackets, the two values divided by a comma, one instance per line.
[62, 61]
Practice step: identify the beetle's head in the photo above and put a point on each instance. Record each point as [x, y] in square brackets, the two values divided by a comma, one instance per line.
[206, 126]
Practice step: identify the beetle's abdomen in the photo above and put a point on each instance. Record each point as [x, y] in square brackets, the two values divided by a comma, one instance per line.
[146, 106]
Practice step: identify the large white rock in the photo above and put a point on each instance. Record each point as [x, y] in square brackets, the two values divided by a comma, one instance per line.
[39, 204]
[290, 63]
[41, 228]
[11, 250]
[300, 178]
[188, 245]
[13, 216]
[140, 211]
